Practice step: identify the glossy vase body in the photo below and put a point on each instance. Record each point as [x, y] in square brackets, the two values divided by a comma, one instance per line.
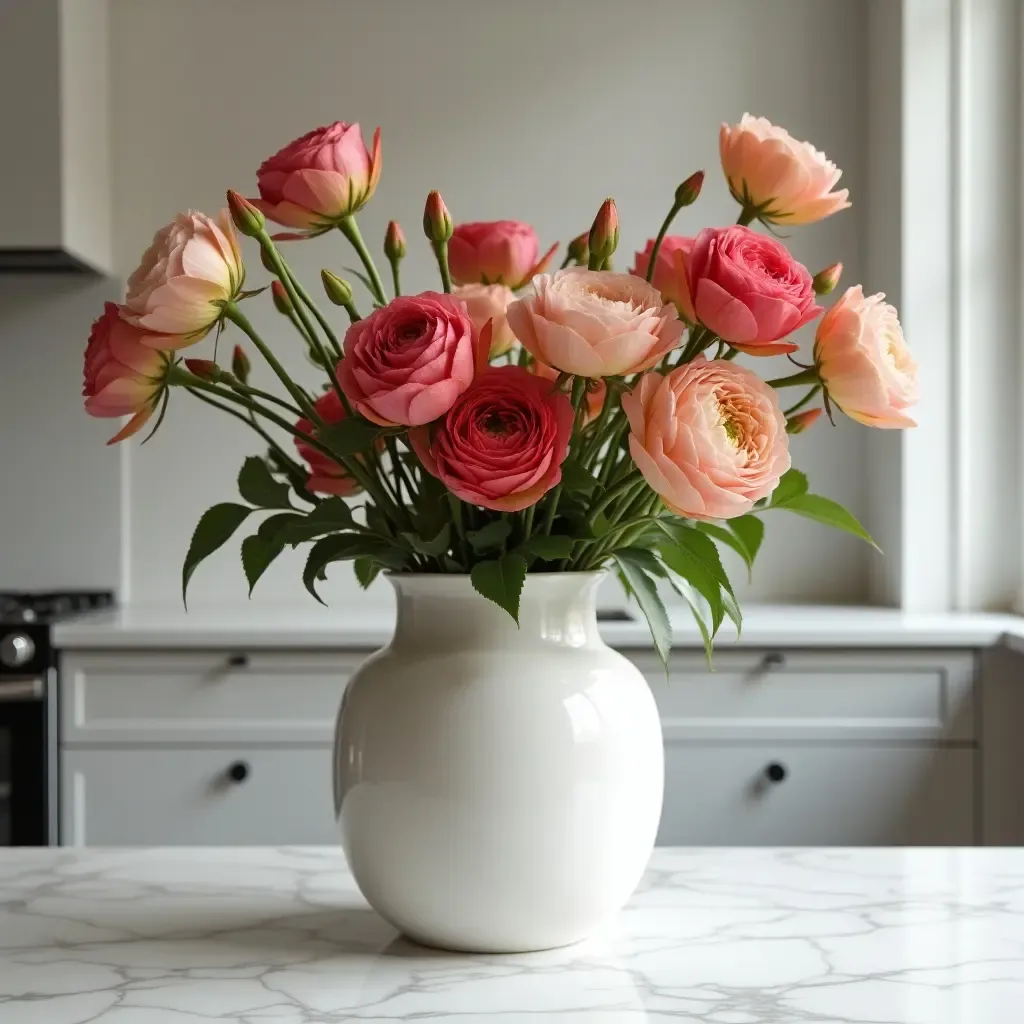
[498, 789]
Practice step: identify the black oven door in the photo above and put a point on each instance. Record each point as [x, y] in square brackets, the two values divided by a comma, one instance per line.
[23, 761]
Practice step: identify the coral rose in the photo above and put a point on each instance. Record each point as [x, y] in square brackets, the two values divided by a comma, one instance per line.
[407, 362]
[317, 180]
[192, 267]
[488, 302]
[669, 271]
[124, 372]
[709, 437]
[502, 444]
[748, 289]
[781, 180]
[595, 395]
[864, 362]
[496, 252]
[326, 476]
[595, 323]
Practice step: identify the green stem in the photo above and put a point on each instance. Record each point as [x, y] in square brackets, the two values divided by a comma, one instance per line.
[395, 279]
[320, 318]
[528, 520]
[665, 225]
[747, 215]
[613, 494]
[594, 447]
[803, 401]
[566, 261]
[731, 354]
[441, 252]
[455, 504]
[245, 389]
[396, 466]
[614, 441]
[549, 518]
[808, 376]
[350, 229]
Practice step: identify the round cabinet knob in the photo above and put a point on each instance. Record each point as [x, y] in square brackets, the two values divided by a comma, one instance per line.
[773, 659]
[775, 772]
[238, 661]
[238, 772]
[16, 649]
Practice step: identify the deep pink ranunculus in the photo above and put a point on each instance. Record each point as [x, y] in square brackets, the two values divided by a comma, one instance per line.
[748, 289]
[502, 444]
[326, 476]
[407, 362]
[496, 252]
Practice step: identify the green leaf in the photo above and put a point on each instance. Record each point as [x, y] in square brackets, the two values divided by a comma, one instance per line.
[332, 512]
[257, 554]
[723, 536]
[651, 605]
[501, 581]
[685, 591]
[831, 513]
[694, 557]
[576, 478]
[213, 530]
[367, 283]
[435, 546]
[343, 546]
[749, 531]
[647, 560]
[366, 570]
[259, 488]
[349, 437]
[276, 526]
[489, 537]
[793, 483]
[549, 548]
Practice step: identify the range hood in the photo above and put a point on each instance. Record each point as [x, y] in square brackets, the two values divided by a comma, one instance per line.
[54, 117]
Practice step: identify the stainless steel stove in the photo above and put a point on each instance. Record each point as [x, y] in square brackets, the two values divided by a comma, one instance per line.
[28, 709]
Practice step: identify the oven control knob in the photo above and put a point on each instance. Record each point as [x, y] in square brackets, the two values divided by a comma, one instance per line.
[16, 649]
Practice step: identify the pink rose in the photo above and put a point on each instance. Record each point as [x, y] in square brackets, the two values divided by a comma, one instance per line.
[595, 323]
[192, 267]
[326, 476]
[486, 302]
[496, 252]
[319, 179]
[785, 181]
[709, 437]
[595, 395]
[864, 362]
[502, 444]
[124, 372]
[407, 362]
[748, 290]
[669, 271]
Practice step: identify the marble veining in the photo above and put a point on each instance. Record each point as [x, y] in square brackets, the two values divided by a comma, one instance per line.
[740, 936]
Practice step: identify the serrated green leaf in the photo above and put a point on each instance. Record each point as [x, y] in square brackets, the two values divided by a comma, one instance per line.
[213, 530]
[724, 536]
[343, 546]
[501, 581]
[257, 554]
[651, 605]
[277, 525]
[259, 488]
[749, 531]
[831, 513]
[548, 548]
[366, 570]
[685, 553]
[685, 591]
[333, 512]
[489, 537]
[577, 479]
[793, 483]
[647, 560]
[349, 437]
[434, 547]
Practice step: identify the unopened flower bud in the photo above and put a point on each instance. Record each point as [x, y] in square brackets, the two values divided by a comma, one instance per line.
[604, 234]
[282, 303]
[394, 242]
[266, 261]
[689, 190]
[437, 221]
[579, 248]
[825, 280]
[338, 290]
[240, 365]
[247, 218]
[206, 369]
[799, 422]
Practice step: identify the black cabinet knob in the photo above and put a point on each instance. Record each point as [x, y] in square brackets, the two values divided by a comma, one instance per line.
[238, 772]
[775, 772]
[238, 661]
[773, 659]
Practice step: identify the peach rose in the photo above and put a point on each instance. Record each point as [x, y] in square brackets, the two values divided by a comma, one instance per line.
[786, 181]
[595, 323]
[496, 252]
[709, 437]
[502, 444]
[669, 272]
[326, 476]
[124, 372]
[486, 302]
[864, 362]
[595, 395]
[192, 267]
[407, 362]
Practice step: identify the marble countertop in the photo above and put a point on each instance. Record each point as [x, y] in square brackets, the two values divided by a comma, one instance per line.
[740, 936]
[255, 626]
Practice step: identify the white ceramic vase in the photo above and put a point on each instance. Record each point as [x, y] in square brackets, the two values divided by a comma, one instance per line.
[498, 789]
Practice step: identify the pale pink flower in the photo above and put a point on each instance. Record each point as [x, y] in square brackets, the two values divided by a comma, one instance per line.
[486, 302]
[669, 272]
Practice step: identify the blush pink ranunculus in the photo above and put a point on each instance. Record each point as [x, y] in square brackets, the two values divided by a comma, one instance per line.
[320, 178]
[709, 437]
[595, 323]
[785, 181]
[669, 271]
[326, 476]
[748, 290]
[124, 372]
[408, 362]
[486, 302]
[864, 362]
[496, 252]
[192, 267]
[595, 394]
[502, 444]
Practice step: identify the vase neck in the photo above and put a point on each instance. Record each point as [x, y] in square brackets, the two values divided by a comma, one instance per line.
[555, 609]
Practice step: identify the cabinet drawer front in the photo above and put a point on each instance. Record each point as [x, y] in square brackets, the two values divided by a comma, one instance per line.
[202, 696]
[753, 695]
[169, 797]
[839, 796]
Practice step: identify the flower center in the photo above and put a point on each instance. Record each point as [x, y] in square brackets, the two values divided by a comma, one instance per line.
[732, 431]
[496, 424]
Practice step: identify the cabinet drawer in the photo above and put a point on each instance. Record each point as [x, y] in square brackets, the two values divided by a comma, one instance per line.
[202, 696]
[168, 797]
[807, 695]
[840, 796]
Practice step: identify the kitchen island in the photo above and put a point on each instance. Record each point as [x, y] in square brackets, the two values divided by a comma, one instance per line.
[754, 936]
